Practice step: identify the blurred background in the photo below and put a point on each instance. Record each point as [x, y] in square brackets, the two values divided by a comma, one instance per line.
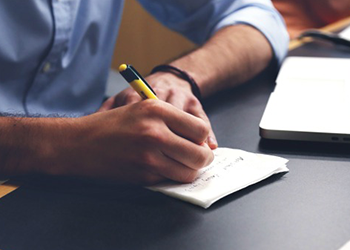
[144, 42]
[147, 43]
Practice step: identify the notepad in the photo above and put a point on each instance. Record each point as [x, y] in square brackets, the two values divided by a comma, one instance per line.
[230, 171]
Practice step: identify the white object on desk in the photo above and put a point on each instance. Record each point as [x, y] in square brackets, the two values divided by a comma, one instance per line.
[310, 101]
[345, 33]
[231, 170]
[346, 246]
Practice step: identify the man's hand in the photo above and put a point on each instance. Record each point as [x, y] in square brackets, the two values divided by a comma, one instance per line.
[171, 89]
[230, 57]
[141, 143]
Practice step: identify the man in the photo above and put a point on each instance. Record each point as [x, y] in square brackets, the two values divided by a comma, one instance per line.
[54, 60]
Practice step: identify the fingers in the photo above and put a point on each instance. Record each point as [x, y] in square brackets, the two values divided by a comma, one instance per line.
[158, 141]
[191, 155]
[172, 148]
[131, 98]
[127, 96]
[179, 136]
[192, 106]
[185, 125]
[198, 111]
[172, 169]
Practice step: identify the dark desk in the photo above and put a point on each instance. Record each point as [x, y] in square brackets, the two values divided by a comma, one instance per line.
[308, 208]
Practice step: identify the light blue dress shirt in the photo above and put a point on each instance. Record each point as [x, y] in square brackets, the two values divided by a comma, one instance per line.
[55, 54]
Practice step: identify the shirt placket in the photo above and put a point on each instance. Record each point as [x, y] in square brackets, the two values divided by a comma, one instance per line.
[62, 25]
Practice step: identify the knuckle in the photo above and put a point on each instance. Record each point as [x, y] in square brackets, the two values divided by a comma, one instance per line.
[203, 128]
[199, 160]
[190, 176]
[160, 91]
[210, 158]
[193, 101]
[153, 107]
[204, 158]
[172, 92]
[152, 135]
[147, 159]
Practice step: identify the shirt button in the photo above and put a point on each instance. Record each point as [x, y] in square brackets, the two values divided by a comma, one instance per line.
[47, 67]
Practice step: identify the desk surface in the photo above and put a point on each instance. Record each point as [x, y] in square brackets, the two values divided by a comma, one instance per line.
[308, 208]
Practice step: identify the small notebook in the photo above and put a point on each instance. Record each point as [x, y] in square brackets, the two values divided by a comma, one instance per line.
[231, 170]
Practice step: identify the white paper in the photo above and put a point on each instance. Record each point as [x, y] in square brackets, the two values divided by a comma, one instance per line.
[346, 246]
[231, 170]
[345, 33]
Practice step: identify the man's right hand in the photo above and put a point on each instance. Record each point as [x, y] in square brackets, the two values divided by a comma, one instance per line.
[141, 143]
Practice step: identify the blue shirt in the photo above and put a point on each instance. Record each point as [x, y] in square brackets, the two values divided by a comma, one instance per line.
[55, 54]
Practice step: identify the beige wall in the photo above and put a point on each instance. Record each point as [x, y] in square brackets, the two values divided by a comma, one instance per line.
[145, 43]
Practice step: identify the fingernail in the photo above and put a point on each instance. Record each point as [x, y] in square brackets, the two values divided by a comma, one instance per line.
[213, 144]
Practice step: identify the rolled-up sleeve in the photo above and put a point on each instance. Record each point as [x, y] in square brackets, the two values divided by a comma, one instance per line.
[200, 19]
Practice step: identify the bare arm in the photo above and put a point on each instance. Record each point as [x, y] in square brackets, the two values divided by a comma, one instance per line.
[27, 143]
[141, 143]
[232, 56]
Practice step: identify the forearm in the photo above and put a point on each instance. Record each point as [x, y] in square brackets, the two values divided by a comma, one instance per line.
[232, 56]
[167, 142]
[31, 145]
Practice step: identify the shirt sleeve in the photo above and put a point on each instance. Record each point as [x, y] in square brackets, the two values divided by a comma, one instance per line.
[200, 19]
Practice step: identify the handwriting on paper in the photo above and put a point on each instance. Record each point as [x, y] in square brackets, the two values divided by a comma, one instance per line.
[215, 170]
[230, 171]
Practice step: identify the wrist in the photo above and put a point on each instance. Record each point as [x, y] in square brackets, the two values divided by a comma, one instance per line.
[163, 80]
[60, 154]
[181, 74]
[50, 145]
